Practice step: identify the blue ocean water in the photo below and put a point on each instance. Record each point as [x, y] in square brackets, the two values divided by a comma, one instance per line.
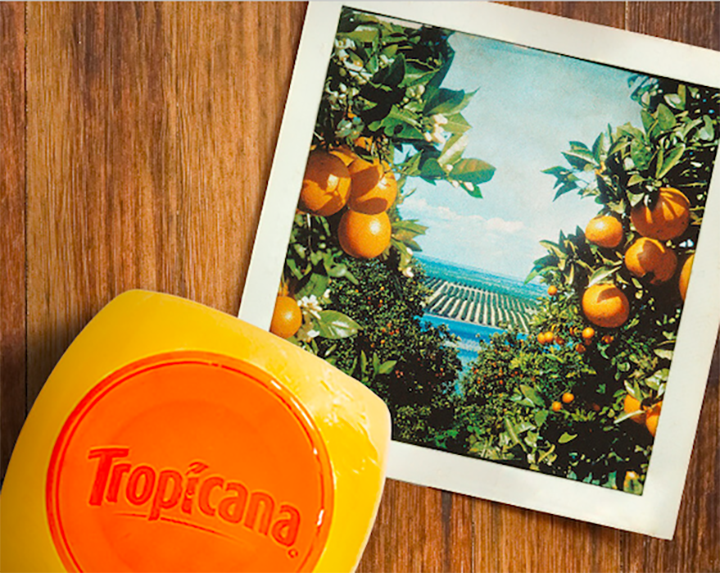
[469, 335]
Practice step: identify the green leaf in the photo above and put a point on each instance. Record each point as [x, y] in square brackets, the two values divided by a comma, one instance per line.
[647, 119]
[531, 275]
[473, 171]
[294, 270]
[540, 417]
[393, 75]
[511, 431]
[579, 159]
[666, 118]
[570, 276]
[362, 34]
[664, 353]
[316, 284]
[670, 160]
[565, 438]
[456, 123]
[397, 114]
[632, 131]
[602, 273]
[674, 100]
[335, 325]
[475, 192]
[375, 363]
[532, 395]
[635, 179]
[453, 149]
[431, 169]
[640, 154]
[598, 149]
[707, 133]
[410, 225]
[387, 366]
[447, 102]
[552, 247]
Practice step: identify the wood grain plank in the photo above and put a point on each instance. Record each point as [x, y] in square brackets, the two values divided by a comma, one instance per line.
[12, 229]
[696, 23]
[102, 165]
[408, 531]
[696, 545]
[235, 61]
[603, 13]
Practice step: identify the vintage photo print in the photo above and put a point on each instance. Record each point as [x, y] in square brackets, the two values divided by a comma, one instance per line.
[509, 239]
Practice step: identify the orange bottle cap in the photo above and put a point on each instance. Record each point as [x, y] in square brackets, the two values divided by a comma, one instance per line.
[194, 450]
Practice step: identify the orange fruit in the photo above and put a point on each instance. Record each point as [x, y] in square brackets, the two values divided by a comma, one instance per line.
[685, 275]
[373, 188]
[286, 318]
[567, 397]
[588, 333]
[650, 257]
[556, 406]
[605, 305]
[652, 417]
[552, 290]
[630, 404]
[344, 154]
[364, 142]
[667, 220]
[549, 337]
[604, 231]
[326, 184]
[364, 236]
[541, 338]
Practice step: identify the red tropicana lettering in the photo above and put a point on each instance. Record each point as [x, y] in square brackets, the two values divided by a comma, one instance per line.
[212, 496]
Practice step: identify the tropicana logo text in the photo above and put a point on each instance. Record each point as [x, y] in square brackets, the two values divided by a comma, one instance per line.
[143, 485]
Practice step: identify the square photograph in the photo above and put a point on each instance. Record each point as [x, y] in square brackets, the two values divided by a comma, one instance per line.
[497, 239]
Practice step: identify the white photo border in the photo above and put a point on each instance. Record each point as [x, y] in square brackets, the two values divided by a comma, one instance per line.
[655, 511]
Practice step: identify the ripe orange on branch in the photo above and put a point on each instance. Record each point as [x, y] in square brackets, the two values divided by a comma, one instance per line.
[604, 231]
[685, 275]
[326, 184]
[650, 257]
[344, 154]
[374, 187]
[605, 305]
[286, 318]
[364, 236]
[652, 417]
[667, 220]
[630, 405]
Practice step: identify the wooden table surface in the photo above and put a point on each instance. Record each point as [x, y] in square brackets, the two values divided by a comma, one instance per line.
[137, 141]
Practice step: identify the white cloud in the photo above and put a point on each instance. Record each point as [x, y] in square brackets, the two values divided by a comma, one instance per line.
[498, 224]
[420, 208]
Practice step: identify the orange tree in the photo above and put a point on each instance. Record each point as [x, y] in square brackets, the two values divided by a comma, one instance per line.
[585, 389]
[384, 119]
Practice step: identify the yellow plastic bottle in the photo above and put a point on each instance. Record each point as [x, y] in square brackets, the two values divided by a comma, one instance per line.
[173, 437]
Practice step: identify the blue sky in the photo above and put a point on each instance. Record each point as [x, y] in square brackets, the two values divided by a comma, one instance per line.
[529, 105]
